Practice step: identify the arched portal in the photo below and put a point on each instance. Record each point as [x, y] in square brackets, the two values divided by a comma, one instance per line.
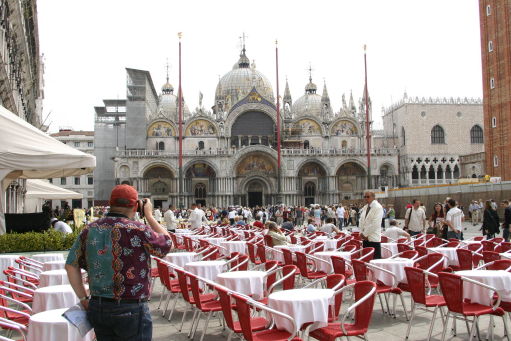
[158, 183]
[199, 179]
[256, 190]
[313, 180]
[351, 176]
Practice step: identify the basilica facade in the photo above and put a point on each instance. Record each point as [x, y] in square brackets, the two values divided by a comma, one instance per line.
[229, 151]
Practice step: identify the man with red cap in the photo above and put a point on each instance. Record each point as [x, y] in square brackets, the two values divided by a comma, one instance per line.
[116, 252]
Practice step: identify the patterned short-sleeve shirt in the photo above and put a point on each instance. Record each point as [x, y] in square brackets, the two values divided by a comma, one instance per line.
[115, 251]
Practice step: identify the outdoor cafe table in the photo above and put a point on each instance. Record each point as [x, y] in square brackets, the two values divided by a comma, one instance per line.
[304, 305]
[6, 261]
[499, 279]
[48, 257]
[234, 246]
[51, 325]
[330, 244]
[250, 283]
[53, 277]
[394, 265]
[505, 255]
[327, 256]
[215, 241]
[389, 249]
[278, 256]
[449, 253]
[208, 269]
[54, 265]
[53, 297]
[184, 231]
[181, 258]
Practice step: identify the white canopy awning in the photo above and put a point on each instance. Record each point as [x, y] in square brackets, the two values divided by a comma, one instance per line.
[42, 189]
[27, 152]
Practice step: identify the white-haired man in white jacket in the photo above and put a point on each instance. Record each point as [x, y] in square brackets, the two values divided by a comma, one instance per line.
[370, 223]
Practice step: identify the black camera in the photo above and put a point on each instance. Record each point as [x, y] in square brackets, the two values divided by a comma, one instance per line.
[140, 208]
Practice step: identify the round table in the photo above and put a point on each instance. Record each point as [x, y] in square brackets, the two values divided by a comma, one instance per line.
[54, 265]
[327, 256]
[53, 277]
[499, 279]
[234, 246]
[208, 269]
[6, 261]
[215, 241]
[278, 256]
[181, 258]
[250, 283]
[449, 253]
[54, 297]
[394, 265]
[51, 325]
[330, 244]
[304, 305]
[48, 257]
[388, 250]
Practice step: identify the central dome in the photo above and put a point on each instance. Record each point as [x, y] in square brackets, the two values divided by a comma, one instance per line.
[237, 83]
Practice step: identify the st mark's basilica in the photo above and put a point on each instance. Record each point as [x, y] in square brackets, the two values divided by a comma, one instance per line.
[229, 152]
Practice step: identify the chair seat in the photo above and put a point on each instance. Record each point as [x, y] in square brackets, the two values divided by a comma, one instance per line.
[154, 272]
[383, 289]
[316, 274]
[273, 335]
[258, 323]
[211, 306]
[204, 298]
[476, 309]
[435, 300]
[333, 331]
[506, 306]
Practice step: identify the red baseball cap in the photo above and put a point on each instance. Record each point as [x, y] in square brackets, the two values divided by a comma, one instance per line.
[123, 196]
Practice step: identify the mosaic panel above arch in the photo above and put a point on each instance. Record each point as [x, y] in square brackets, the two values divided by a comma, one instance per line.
[344, 128]
[200, 128]
[308, 127]
[255, 164]
[161, 129]
[200, 170]
[311, 169]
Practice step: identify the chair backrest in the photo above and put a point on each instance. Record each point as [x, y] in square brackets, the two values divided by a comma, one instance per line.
[401, 240]
[401, 247]
[252, 252]
[479, 238]
[261, 252]
[490, 256]
[173, 237]
[465, 259]
[366, 254]
[421, 250]
[293, 239]
[488, 245]
[183, 284]
[433, 259]
[501, 264]
[359, 269]
[289, 283]
[474, 247]
[417, 284]
[244, 312]
[350, 248]
[419, 242]
[384, 239]
[497, 240]
[268, 240]
[301, 262]
[12, 325]
[505, 246]
[225, 302]
[288, 256]
[410, 254]
[434, 242]
[332, 281]
[271, 278]
[364, 311]
[452, 290]
[163, 270]
[241, 263]
[188, 243]
[339, 265]
[452, 243]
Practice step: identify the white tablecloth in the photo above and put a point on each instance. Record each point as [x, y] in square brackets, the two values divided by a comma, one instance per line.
[394, 265]
[47, 257]
[215, 241]
[499, 279]
[54, 265]
[54, 297]
[53, 277]
[388, 250]
[330, 244]
[291, 247]
[50, 325]
[207, 269]
[6, 261]
[184, 231]
[304, 305]
[449, 253]
[326, 255]
[181, 258]
[505, 255]
[234, 246]
[251, 283]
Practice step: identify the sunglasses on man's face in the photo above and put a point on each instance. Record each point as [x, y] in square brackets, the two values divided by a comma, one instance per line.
[366, 196]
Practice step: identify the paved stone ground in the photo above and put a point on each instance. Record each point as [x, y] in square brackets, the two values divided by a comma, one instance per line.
[382, 326]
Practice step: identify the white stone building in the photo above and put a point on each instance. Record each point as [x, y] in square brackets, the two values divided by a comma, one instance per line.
[431, 134]
[84, 184]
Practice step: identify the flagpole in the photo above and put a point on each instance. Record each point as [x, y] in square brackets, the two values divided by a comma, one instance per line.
[368, 132]
[279, 188]
[180, 112]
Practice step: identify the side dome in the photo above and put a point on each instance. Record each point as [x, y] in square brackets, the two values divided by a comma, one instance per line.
[237, 83]
[309, 103]
[168, 105]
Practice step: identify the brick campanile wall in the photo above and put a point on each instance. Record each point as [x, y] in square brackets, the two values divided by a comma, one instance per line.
[495, 27]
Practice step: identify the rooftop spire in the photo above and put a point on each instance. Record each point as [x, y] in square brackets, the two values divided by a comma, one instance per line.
[287, 93]
[243, 62]
[167, 88]
[310, 88]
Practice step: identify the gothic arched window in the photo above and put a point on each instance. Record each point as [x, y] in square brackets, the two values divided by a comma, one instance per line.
[437, 135]
[476, 134]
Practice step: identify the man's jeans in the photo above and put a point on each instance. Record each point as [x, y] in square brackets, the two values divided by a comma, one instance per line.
[505, 234]
[454, 235]
[414, 233]
[120, 322]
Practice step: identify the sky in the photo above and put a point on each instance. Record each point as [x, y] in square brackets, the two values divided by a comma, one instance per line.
[426, 48]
